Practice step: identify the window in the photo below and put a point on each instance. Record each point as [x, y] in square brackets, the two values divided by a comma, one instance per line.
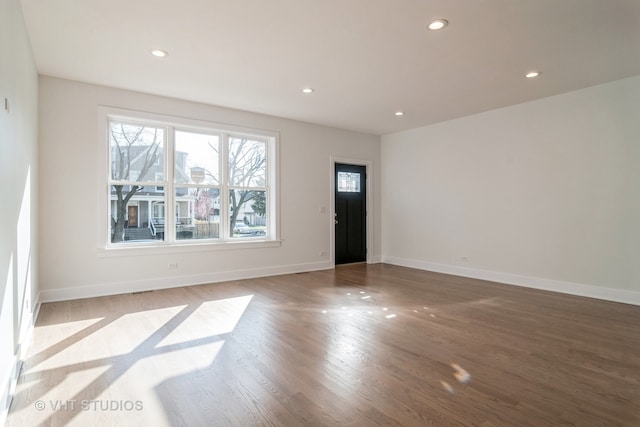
[348, 182]
[175, 183]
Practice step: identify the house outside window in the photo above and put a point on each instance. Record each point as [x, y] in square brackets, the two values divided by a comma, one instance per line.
[170, 183]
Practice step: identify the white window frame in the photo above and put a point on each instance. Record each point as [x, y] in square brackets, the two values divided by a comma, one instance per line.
[170, 244]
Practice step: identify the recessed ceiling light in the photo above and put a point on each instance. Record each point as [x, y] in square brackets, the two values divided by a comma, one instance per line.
[532, 74]
[159, 53]
[399, 113]
[438, 24]
[307, 90]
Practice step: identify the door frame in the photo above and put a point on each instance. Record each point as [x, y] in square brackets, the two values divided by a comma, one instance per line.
[332, 205]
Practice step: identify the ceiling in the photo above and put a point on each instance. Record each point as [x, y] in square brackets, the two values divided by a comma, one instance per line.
[366, 59]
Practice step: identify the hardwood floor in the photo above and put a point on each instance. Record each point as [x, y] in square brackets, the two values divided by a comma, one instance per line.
[361, 345]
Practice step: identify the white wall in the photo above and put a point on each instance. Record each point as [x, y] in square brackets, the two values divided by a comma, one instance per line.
[544, 194]
[18, 190]
[70, 263]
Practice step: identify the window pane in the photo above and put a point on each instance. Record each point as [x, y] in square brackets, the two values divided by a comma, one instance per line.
[138, 219]
[197, 213]
[348, 182]
[247, 162]
[248, 211]
[136, 152]
[196, 158]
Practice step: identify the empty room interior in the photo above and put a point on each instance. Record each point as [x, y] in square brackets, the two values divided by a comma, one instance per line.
[362, 212]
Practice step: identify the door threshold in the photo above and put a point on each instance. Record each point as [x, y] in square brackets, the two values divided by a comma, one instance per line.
[350, 263]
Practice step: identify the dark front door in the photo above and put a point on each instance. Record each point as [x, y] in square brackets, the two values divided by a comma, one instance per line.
[351, 213]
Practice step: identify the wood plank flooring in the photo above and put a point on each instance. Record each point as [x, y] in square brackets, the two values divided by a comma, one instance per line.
[362, 345]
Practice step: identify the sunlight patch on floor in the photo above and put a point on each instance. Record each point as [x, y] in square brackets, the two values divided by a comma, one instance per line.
[126, 333]
[460, 374]
[447, 386]
[150, 372]
[210, 319]
[63, 396]
[45, 339]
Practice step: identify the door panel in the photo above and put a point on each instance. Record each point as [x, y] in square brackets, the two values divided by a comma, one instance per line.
[132, 213]
[350, 214]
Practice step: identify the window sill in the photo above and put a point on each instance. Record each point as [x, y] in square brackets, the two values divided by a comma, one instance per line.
[134, 249]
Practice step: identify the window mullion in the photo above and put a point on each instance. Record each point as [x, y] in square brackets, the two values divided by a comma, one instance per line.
[224, 188]
[271, 215]
[170, 188]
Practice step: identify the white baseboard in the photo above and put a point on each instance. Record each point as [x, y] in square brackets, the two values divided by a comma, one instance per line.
[375, 260]
[125, 287]
[608, 294]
